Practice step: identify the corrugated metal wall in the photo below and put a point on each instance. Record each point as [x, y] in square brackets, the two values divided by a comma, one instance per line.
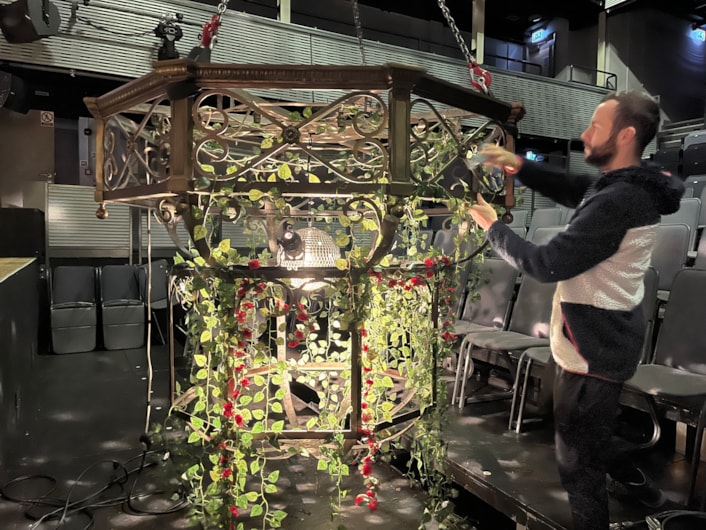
[73, 230]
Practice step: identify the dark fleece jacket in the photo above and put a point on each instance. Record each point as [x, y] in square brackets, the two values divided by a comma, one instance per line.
[599, 261]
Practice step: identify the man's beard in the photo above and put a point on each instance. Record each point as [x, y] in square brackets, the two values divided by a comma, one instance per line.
[601, 155]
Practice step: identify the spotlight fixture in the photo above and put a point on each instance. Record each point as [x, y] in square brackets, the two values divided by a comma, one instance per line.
[291, 243]
[29, 20]
[169, 31]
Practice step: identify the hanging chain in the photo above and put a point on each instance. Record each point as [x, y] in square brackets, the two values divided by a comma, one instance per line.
[222, 7]
[209, 34]
[359, 30]
[482, 81]
[457, 33]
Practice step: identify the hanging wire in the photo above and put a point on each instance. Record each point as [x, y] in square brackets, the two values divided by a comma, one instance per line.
[359, 30]
[150, 368]
[89, 22]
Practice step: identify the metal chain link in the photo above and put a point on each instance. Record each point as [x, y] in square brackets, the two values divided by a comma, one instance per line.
[220, 10]
[457, 33]
[222, 7]
[359, 30]
[480, 78]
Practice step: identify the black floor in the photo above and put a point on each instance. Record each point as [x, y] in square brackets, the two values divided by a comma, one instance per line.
[81, 417]
[83, 412]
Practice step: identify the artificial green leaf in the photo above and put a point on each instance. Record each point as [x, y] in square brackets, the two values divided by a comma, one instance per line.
[241, 502]
[273, 477]
[322, 465]
[284, 172]
[199, 359]
[341, 264]
[278, 426]
[202, 182]
[270, 488]
[255, 195]
[202, 374]
[256, 510]
[313, 179]
[199, 232]
[266, 143]
[205, 337]
[193, 438]
[258, 428]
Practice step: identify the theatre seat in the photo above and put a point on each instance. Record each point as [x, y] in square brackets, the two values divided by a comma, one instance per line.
[73, 310]
[122, 308]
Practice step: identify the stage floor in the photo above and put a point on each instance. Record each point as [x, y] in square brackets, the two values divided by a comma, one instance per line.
[81, 412]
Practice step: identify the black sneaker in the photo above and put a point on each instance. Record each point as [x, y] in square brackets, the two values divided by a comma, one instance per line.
[638, 488]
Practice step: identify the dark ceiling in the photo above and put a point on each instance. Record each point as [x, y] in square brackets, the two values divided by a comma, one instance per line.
[510, 19]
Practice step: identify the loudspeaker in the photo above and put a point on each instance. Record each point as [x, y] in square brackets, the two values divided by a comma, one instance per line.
[13, 94]
[29, 20]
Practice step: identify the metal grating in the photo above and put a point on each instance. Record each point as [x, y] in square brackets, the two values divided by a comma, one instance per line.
[244, 239]
[72, 222]
[160, 238]
[577, 164]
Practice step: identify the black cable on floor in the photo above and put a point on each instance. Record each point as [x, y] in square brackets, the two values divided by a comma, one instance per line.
[63, 509]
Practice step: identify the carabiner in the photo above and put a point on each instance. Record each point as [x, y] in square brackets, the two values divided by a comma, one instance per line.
[484, 79]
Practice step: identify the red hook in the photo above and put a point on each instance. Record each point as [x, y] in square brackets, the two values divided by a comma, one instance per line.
[480, 78]
[209, 31]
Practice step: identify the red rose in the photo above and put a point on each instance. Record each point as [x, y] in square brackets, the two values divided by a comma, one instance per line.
[253, 264]
[366, 470]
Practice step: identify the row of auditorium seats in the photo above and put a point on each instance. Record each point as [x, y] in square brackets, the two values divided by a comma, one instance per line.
[678, 242]
[503, 340]
[686, 159]
[112, 299]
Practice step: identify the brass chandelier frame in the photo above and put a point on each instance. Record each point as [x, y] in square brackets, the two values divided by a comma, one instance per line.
[188, 129]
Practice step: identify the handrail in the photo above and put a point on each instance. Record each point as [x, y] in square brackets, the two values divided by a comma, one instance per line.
[521, 61]
[609, 79]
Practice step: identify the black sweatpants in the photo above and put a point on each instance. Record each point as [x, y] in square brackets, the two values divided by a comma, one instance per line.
[585, 409]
